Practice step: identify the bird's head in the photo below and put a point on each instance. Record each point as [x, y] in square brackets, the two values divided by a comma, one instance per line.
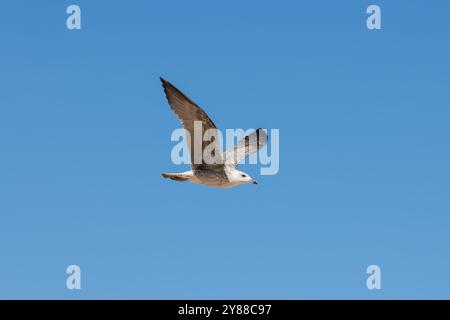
[241, 177]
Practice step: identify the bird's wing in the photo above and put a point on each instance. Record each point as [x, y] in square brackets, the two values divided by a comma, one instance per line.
[250, 144]
[189, 112]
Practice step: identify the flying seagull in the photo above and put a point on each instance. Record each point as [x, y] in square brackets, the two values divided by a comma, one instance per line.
[222, 171]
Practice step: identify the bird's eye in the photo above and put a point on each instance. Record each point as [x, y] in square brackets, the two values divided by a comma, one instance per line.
[243, 176]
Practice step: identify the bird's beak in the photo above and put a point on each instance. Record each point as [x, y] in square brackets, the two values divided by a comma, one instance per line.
[254, 182]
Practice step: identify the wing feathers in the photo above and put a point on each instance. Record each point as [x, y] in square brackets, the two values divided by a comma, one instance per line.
[189, 112]
[247, 146]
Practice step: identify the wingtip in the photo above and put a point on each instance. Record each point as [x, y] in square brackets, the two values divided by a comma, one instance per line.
[260, 132]
[165, 84]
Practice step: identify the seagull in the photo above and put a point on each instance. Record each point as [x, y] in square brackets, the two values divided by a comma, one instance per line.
[222, 172]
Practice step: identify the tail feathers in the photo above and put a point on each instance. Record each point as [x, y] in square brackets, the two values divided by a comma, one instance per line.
[174, 176]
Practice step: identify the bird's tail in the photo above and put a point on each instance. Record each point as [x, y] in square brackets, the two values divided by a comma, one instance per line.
[175, 176]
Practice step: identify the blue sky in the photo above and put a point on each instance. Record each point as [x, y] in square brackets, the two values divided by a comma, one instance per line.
[364, 159]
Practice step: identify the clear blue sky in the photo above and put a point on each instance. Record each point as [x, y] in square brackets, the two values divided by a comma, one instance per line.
[364, 170]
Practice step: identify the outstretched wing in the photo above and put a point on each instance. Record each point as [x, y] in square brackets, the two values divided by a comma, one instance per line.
[189, 113]
[250, 144]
